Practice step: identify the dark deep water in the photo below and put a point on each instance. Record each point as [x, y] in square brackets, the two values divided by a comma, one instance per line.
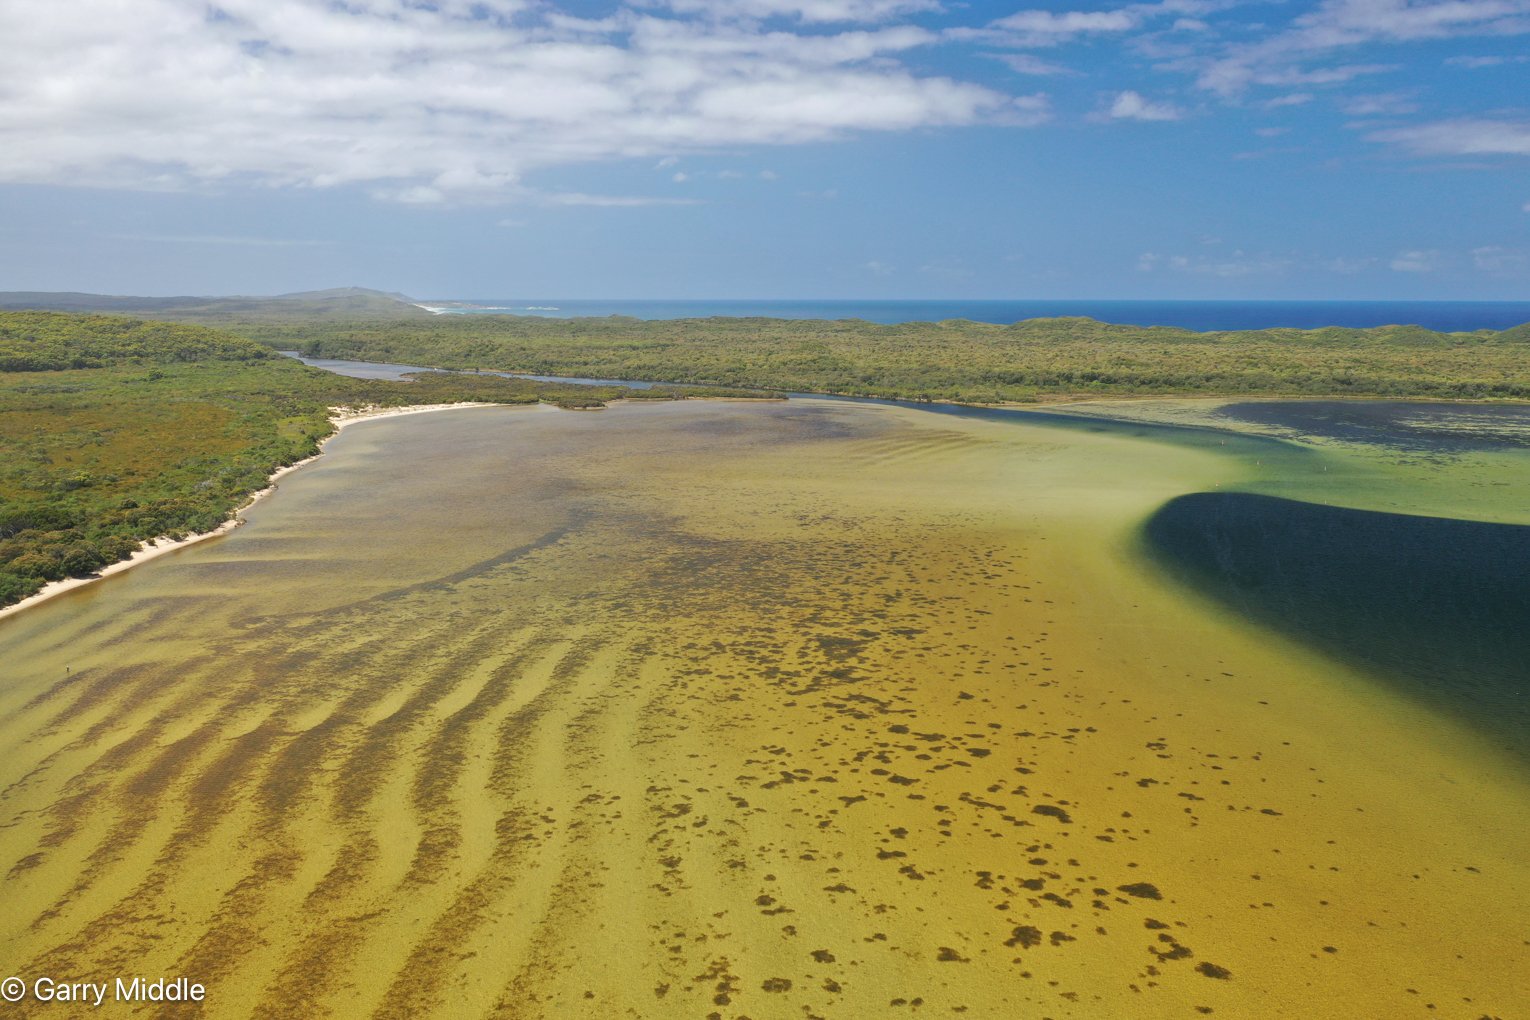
[1438, 607]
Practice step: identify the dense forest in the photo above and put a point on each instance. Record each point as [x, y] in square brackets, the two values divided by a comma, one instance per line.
[963, 361]
[114, 431]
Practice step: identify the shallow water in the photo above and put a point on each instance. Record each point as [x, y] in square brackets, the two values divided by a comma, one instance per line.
[386, 370]
[762, 710]
[360, 369]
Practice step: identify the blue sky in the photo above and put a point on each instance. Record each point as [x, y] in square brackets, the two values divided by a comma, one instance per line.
[768, 148]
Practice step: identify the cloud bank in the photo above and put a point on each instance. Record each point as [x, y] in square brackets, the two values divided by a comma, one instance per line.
[464, 100]
[455, 100]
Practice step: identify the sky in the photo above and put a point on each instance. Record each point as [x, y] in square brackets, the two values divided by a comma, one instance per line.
[1178, 149]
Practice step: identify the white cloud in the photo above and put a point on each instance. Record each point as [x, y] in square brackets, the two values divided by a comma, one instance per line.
[1271, 132]
[1340, 24]
[1525, 207]
[438, 103]
[1481, 62]
[1033, 28]
[1473, 63]
[609, 201]
[1349, 266]
[1383, 104]
[1064, 24]
[1132, 106]
[807, 10]
[680, 178]
[947, 269]
[1463, 137]
[1232, 77]
[1238, 264]
[825, 103]
[1347, 22]
[1417, 261]
[1290, 99]
[1024, 63]
[878, 268]
[418, 194]
[1500, 261]
[1027, 111]
[1324, 75]
[218, 239]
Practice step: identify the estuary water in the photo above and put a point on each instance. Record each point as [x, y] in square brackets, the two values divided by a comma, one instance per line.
[384, 370]
[754, 709]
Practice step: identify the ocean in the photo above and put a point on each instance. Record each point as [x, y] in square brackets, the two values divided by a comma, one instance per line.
[1196, 315]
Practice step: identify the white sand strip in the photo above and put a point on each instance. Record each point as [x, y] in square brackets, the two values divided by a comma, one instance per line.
[339, 416]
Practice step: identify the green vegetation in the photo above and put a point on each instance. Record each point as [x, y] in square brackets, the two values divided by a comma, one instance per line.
[114, 431]
[117, 430]
[963, 361]
[44, 341]
[957, 360]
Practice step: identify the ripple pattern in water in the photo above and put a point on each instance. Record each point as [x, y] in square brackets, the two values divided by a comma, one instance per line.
[733, 710]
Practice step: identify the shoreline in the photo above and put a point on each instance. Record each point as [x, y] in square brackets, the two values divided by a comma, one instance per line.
[340, 417]
[154, 548]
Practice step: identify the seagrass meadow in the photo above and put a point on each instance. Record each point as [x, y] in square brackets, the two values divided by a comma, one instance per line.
[773, 709]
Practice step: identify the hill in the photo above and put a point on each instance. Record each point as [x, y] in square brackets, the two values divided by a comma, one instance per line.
[336, 303]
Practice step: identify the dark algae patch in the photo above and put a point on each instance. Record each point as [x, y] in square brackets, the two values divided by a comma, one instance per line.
[1438, 606]
[1025, 936]
[1401, 425]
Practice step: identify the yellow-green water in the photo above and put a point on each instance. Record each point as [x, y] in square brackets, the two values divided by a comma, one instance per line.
[735, 710]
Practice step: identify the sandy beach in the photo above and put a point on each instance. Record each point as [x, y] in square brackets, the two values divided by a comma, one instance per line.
[156, 547]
